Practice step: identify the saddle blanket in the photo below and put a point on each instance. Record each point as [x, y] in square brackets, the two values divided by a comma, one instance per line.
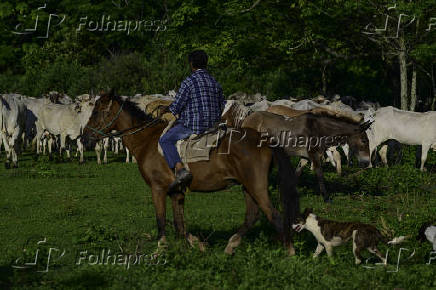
[196, 147]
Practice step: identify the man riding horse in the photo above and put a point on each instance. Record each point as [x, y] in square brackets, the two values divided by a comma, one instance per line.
[197, 107]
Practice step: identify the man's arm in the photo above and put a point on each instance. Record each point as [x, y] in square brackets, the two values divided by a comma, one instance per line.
[181, 99]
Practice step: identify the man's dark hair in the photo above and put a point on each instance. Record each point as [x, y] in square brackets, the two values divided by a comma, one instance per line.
[198, 58]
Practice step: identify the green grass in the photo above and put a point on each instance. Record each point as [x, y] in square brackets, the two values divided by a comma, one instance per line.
[91, 207]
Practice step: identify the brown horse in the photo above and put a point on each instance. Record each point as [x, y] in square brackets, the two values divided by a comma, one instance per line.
[238, 158]
[306, 134]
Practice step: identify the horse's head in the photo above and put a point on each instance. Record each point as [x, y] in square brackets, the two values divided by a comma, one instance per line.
[359, 144]
[102, 117]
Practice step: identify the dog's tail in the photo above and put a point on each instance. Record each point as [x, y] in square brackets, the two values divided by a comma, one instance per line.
[397, 240]
[394, 241]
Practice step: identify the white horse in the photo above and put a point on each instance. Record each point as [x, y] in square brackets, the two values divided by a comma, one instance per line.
[410, 128]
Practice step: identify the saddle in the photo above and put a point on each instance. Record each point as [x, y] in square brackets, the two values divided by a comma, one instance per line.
[197, 147]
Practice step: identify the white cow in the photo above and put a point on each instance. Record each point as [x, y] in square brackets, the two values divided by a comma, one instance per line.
[410, 128]
[63, 120]
[102, 145]
[12, 124]
[287, 103]
[117, 145]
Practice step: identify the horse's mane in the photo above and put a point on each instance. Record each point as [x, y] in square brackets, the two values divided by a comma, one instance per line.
[342, 116]
[134, 110]
[237, 113]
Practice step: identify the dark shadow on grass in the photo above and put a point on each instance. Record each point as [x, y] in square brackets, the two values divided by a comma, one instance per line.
[6, 273]
[333, 185]
[86, 279]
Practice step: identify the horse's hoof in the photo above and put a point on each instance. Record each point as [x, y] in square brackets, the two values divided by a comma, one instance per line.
[7, 165]
[195, 243]
[16, 165]
[291, 251]
[229, 250]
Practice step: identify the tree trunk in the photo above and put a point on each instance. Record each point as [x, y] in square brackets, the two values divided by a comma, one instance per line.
[324, 80]
[413, 97]
[403, 74]
[433, 82]
[413, 90]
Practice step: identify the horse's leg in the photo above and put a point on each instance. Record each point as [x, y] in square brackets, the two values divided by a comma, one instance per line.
[258, 191]
[251, 216]
[178, 203]
[159, 196]
[315, 157]
[425, 148]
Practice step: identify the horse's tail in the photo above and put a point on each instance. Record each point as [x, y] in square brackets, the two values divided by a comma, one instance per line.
[288, 192]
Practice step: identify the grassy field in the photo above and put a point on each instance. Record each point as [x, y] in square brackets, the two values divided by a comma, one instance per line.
[81, 212]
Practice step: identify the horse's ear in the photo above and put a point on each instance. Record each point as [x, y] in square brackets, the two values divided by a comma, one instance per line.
[111, 92]
[365, 126]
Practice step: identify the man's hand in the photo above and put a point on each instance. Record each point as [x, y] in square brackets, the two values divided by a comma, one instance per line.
[161, 110]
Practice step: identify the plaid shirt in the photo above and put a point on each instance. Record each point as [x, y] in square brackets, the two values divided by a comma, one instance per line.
[199, 102]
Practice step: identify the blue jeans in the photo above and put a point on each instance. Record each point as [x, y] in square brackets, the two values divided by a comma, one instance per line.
[168, 142]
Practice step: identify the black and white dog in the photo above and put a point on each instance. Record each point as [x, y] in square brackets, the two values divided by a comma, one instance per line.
[330, 234]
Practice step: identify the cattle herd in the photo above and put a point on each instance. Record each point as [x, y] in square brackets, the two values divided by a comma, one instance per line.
[55, 122]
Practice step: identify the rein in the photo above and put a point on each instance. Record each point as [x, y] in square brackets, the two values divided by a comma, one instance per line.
[123, 133]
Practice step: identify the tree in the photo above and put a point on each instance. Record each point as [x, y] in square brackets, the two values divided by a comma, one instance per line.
[400, 31]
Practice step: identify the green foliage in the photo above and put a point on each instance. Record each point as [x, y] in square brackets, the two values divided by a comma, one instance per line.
[279, 48]
[93, 208]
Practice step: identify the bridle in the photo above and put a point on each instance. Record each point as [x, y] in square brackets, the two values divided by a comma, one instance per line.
[99, 131]
[124, 132]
